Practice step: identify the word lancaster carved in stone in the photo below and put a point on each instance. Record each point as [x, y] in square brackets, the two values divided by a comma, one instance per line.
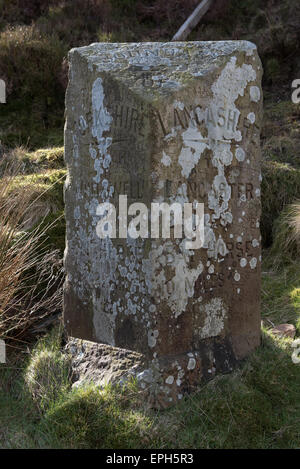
[173, 123]
[136, 189]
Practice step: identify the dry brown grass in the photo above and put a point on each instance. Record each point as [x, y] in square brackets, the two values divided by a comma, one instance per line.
[285, 249]
[295, 220]
[30, 277]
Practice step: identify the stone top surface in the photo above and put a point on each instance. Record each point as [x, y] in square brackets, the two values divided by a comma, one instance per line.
[171, 64]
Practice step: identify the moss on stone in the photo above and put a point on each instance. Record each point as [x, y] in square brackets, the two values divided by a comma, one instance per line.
[46, 184]
[50, 158]
[39, 160]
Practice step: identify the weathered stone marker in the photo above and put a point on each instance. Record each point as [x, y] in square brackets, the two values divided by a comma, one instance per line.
[174, 122]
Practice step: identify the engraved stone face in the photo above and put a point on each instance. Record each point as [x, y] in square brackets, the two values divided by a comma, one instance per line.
[173, 122]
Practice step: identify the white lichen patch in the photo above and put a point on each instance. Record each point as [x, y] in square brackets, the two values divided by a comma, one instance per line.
[231, 84]
[166, 160]
[176, 291]
[215, 313]
[240, 154]
[101, 123]
[228, 87]
[251, 117]
[215, 247]
[237, 277]
[178, 105]
[193, 146]
[191, 364]
[152, 337]
[170, 379]
[101, 117]
[254, 93]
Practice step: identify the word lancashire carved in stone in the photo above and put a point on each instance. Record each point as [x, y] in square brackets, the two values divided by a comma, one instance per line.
[165, 123]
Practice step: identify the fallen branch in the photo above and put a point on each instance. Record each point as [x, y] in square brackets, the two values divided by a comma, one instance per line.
[192, 20]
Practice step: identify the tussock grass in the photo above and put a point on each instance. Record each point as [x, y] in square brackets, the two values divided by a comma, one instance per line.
[37, 161]
[45, 212]
[281, 273]
[294, 221]
[48, 373]
[280, 187]
[30, 275]
[286, 234]
[90, 418]
[280, 296]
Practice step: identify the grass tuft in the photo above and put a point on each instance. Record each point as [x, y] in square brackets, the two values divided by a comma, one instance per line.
[280, 187]
[47, 376]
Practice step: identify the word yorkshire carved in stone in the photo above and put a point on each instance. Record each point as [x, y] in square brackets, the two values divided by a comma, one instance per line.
[165, 123]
